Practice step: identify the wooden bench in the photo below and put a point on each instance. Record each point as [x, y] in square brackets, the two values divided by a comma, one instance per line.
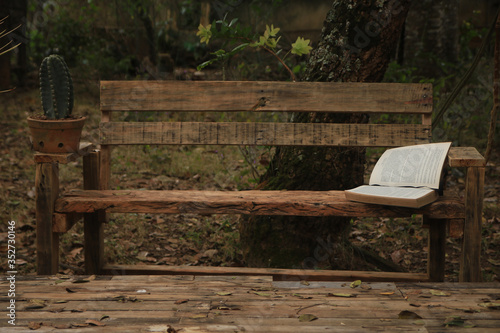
[57, 213]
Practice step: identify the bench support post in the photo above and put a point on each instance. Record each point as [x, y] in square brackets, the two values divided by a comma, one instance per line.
[470, 261]
[93, 222]
[47, 241]
[437, 253]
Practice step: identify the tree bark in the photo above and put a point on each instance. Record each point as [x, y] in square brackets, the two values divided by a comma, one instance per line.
[356, 44]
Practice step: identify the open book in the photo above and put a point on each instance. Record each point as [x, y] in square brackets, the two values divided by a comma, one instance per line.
[406, 176]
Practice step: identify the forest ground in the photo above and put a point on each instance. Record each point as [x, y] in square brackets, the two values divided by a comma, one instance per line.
[190, 239]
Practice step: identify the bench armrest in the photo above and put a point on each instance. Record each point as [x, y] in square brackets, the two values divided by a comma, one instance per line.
[85, 148]
[465, 157]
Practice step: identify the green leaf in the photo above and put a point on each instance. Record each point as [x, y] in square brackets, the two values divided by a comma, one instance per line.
[233, 21]
[205, 64]
[238, 48]
[262, 41]
[356, 283]
[408, 315]
[219, 53]
[272, 42]
[301, 46]
[205, 33]
[272, 31]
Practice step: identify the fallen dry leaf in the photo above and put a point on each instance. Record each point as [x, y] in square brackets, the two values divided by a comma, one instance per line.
[492, 306]
[224, 293]
[180, 301]
[34, 325]
[356, 283]
[387, 293]
[92, 322]
[439, 292]
[307, 317]
[405, 314]
[341, 295]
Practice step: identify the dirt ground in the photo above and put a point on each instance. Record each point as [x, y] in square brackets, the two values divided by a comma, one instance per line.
[189, 239]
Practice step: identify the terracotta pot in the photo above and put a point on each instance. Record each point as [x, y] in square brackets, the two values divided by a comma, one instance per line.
[56, 136]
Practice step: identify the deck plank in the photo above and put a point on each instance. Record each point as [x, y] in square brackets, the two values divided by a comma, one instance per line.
[244, 303]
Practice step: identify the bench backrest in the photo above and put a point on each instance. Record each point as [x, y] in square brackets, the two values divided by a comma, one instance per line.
[231, 96]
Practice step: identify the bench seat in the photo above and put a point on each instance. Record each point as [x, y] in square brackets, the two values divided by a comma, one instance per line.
[199, 113]
[298, 203]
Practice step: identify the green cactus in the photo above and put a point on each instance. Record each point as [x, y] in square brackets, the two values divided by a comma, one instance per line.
[56, 88]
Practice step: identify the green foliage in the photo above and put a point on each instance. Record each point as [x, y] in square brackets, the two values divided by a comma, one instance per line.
[56, 88]
[301, 46]
[466, 120]
[233, 33]
[204, 33]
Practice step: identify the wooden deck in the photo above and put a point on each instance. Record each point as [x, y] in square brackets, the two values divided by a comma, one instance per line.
[246, 304]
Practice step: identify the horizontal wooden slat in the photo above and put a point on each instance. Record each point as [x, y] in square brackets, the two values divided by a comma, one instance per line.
[465, 157]
[265, 134]
[299, 203]
[277, 274]
[265, 96]
[85, 148]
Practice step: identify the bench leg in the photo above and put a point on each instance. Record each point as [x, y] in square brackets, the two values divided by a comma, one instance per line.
[93, 222]
[47, 241]
[437, 252]
[470, 262]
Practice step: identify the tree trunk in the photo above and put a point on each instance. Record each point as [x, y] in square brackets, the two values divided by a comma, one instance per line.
[356, 44]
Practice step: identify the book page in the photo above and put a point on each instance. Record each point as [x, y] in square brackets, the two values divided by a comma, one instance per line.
[418, 166]
[392, 191]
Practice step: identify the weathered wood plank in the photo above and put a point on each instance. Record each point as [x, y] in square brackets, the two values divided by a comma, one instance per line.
[264, 134]
[470, 260]
[62, 223]
[278, 274]
[265, 96]
[247, 304]
[299, 203]
[47, 241]
[465, 157]
[93, 223]
[85, 148]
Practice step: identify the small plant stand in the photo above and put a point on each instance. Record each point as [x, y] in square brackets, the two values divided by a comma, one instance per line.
[48, 226]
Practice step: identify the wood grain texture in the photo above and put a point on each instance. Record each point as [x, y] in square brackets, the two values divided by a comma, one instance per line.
[93, 224]
[470, 262]
[264, 134]
[465, 157]
[265, 96]
[47, 241]
[62, 223]
[298, 203]
[276, 273]
[85, 148]
[246, 304]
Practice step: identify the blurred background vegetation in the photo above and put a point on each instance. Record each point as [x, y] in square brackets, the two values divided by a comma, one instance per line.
[154, 39]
